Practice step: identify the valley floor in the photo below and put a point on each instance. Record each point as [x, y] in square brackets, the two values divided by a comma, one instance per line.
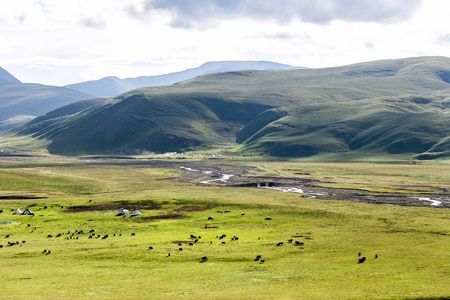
[223, 229]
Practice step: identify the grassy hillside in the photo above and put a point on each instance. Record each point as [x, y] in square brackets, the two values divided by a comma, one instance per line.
[383, 107]
[113, 86]
[369, 125]
[49, 119]
[21, 102]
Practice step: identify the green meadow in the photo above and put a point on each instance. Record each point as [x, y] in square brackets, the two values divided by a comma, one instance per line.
[75, 245]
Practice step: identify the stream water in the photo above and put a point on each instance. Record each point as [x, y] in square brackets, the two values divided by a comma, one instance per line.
[223, 178]
[434, 202]
[307, 194]
[311, 195]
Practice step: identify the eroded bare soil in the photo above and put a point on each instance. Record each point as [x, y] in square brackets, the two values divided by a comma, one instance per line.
[222, 174]
[233, 176]
[144, 204]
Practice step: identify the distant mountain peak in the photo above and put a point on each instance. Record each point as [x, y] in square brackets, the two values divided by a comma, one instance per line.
[112, 86]
[253, 64]
[7, 78]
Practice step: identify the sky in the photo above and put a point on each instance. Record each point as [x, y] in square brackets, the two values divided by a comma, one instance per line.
[58, 42]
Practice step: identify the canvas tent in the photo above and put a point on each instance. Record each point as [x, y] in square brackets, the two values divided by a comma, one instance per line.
[18, 212]
[27, 212]
[123, 212]
[136, 213]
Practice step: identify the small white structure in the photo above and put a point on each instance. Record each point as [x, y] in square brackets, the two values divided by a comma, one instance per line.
[27, 212]
[18, 212]
[136, 213]
[123, 212]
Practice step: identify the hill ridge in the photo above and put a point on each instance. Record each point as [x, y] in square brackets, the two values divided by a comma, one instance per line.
[388, 107]
[112, 86]
[21, 102]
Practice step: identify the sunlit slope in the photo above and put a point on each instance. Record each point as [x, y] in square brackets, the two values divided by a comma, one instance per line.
[140, 123]
[21, 102]
[388, 107]
[113, 86]
[370, 125]
[46, 121]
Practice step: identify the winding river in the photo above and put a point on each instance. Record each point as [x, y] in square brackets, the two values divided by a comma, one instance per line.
[310, 195]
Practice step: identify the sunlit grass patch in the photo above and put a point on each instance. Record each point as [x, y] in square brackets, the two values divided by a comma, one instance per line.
[307, 247]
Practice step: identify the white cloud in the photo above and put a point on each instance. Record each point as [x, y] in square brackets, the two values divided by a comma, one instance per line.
[66, 41]
[202, 13]
[443, 39]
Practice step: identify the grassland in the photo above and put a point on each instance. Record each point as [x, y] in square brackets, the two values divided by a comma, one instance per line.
[21, 102]
[70, 195]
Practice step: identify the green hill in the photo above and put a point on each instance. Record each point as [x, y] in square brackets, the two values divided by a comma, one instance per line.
[21, 102]
[113, 86]
[374, 108]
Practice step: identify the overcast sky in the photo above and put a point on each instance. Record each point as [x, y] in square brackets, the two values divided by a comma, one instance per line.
[67, 41]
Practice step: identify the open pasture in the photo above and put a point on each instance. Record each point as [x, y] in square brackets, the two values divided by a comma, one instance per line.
[76, 246]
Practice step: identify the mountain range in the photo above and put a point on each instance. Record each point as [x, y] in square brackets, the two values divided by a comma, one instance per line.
[112, 86]
[22, 102]
[388, 107]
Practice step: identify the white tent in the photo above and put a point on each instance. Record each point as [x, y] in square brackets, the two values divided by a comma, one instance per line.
[18, 212]
[123, 212]
[136, 213]
[27, 212]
